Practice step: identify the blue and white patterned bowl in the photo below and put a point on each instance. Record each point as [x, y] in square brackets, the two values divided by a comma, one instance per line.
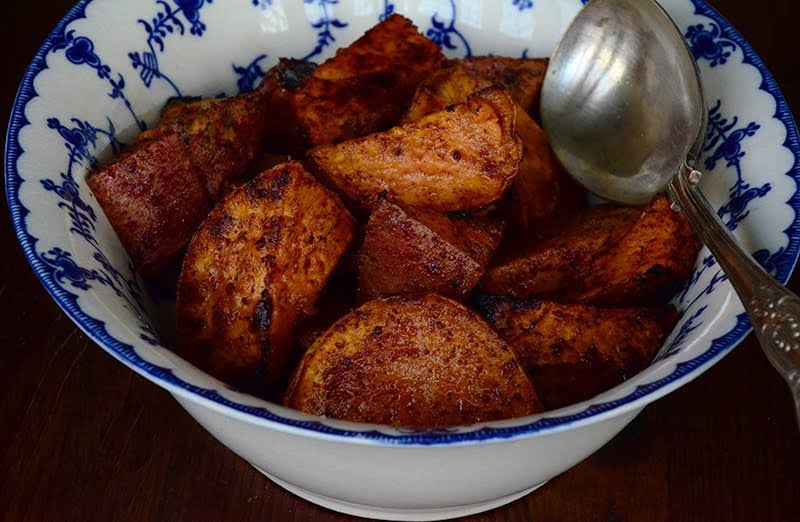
[106, 70]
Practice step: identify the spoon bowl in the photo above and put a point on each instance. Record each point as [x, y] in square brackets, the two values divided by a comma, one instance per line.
[623, 108]
[622, 70]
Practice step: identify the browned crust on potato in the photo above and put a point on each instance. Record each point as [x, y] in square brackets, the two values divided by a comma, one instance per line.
[445, 87]
[157, 193]
[367, 86]
[420, 362]
[574, 351]
[421, 252]
[522, 76]
[477, 234]
[256, 265]
[221, 137]
[525, 267]
[647, 265]
[179, 110]
[541, 189]
[458, 159]
[154, 199]
[278, 90]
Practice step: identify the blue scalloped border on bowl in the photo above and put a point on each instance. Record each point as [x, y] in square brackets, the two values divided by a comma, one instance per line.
[96, 329]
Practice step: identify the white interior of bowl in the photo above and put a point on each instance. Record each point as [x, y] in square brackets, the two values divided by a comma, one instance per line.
[107, 69]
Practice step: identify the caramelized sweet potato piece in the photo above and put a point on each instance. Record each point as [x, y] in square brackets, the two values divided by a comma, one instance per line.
[574, 351]
[154, 199]
[221, 137]
[476, 233]
[420, 362]
[445, 87]
[157, 193]
[421, 252]
[461, 158]
[541, 189]
[179, 111]
[524, 269]
[522, 76]
[256, 265]
[647, 265]
[367, 86]
[278, 89]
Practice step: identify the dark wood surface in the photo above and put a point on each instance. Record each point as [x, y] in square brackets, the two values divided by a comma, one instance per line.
[84, 438]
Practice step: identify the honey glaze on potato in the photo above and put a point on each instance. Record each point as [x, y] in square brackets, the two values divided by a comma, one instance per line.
[412, 361]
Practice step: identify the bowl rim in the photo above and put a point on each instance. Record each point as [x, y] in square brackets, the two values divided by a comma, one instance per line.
[587, 412]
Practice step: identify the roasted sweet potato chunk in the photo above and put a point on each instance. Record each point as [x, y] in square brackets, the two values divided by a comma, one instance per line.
[157, 193]
[154, 199]
[522, 76]
[445, 87]
[278, 90]
[367, 86]
[420, 362]
[458, 159]
[574, 351]
[256, 265]
[541, 189]
[648, 264]
[478, 234]
[421, 252]
[221, 137]
[526, 266]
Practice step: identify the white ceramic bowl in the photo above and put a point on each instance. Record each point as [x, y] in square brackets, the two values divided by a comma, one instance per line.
[106, 70]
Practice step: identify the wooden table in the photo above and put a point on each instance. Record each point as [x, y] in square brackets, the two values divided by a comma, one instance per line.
[84, 438]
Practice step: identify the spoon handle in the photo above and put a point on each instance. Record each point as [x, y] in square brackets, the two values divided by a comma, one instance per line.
[774, 310]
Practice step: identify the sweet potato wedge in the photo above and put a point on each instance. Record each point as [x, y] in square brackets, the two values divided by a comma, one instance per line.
[367, 86]
[157, 193]
[458, 159]
[421, 252]
[541, 189]
[528, 267]
[421, 362]
[574, 351]
[256, 265]
[647, 265]
[522, 76]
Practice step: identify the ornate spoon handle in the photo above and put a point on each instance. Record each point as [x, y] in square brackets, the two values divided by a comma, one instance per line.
[773, 309]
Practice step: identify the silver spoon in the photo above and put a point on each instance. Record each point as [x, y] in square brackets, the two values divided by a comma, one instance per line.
[623, 108]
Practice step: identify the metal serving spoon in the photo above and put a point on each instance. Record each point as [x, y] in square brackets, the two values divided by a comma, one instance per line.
[623, 108]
